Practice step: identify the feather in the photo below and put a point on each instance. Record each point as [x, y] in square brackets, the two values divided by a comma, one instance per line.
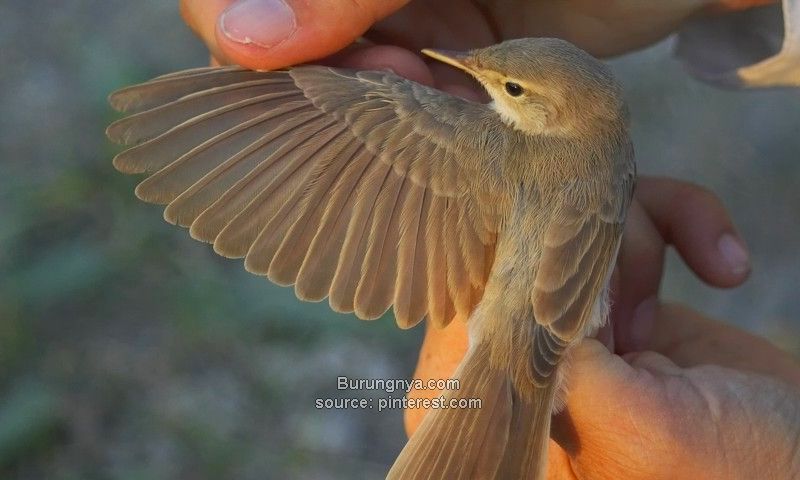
[472, 249]
[151, 123]
[292, 251]
[440, 306]
[252, 217]
[245, 207]
[458, 282]
[375, 290]
[201, 132]
[171, 87]
[212, 169]
[410, 300]
[348, 270]
[316, 274]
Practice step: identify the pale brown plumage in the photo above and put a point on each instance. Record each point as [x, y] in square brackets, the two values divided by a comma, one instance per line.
[373, 191]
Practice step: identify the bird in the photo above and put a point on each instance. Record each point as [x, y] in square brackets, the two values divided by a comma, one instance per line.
[376, 192]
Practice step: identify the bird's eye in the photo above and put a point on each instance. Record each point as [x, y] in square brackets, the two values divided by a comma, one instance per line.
[514, 89]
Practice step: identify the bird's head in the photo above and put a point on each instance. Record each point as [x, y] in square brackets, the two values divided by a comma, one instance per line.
[544, 85]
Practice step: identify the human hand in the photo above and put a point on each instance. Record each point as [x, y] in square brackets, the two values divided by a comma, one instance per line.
[268, 34]
[700, 400]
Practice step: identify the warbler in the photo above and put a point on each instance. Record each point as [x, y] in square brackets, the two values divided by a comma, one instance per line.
[375, 191]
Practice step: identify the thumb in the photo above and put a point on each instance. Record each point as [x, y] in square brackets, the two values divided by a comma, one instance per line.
[617, 415]
[269, 34]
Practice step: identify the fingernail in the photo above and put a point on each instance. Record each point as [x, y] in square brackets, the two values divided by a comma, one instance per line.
[264, 23]
[642, 324]
[734, 253]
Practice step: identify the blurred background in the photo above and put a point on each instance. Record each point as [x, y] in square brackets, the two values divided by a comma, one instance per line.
[129, 351]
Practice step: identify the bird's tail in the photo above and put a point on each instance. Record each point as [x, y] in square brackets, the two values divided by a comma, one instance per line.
[504, 437]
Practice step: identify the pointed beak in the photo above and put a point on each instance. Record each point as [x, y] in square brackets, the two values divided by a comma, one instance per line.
[461, 60]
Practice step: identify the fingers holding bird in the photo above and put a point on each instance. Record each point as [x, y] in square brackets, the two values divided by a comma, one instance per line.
[270, 34]
[694, 221]
[208, 19]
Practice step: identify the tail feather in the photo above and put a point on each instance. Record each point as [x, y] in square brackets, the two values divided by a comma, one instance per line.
[506, 438]
[525, 455]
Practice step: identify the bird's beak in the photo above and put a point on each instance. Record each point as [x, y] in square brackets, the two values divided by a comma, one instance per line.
[461, 60]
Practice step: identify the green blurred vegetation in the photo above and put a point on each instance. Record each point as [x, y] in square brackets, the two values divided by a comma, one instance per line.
[129, 351]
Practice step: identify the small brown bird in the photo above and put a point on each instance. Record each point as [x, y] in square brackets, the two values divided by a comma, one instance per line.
[372, 190]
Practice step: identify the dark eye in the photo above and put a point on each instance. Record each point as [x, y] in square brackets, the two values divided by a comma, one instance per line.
[513, 89]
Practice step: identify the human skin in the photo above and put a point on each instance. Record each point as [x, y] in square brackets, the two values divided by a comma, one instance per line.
[682, 390]
[269, 38]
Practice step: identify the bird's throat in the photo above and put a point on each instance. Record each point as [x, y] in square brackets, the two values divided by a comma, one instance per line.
[535, 124]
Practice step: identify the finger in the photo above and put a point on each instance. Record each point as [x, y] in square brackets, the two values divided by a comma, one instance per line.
[382, 57]
[640, 266]
[269, 34]
[457, 82]
[404, 63]
[407, 64]
[689, 338]
[652, 362]
[201, 16]
[437, 25]
[694, 220]
[610, 407]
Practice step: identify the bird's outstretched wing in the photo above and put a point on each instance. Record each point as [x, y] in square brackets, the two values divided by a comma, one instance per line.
[352, 185]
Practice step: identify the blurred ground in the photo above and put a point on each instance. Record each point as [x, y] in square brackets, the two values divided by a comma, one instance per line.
[129, 351]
